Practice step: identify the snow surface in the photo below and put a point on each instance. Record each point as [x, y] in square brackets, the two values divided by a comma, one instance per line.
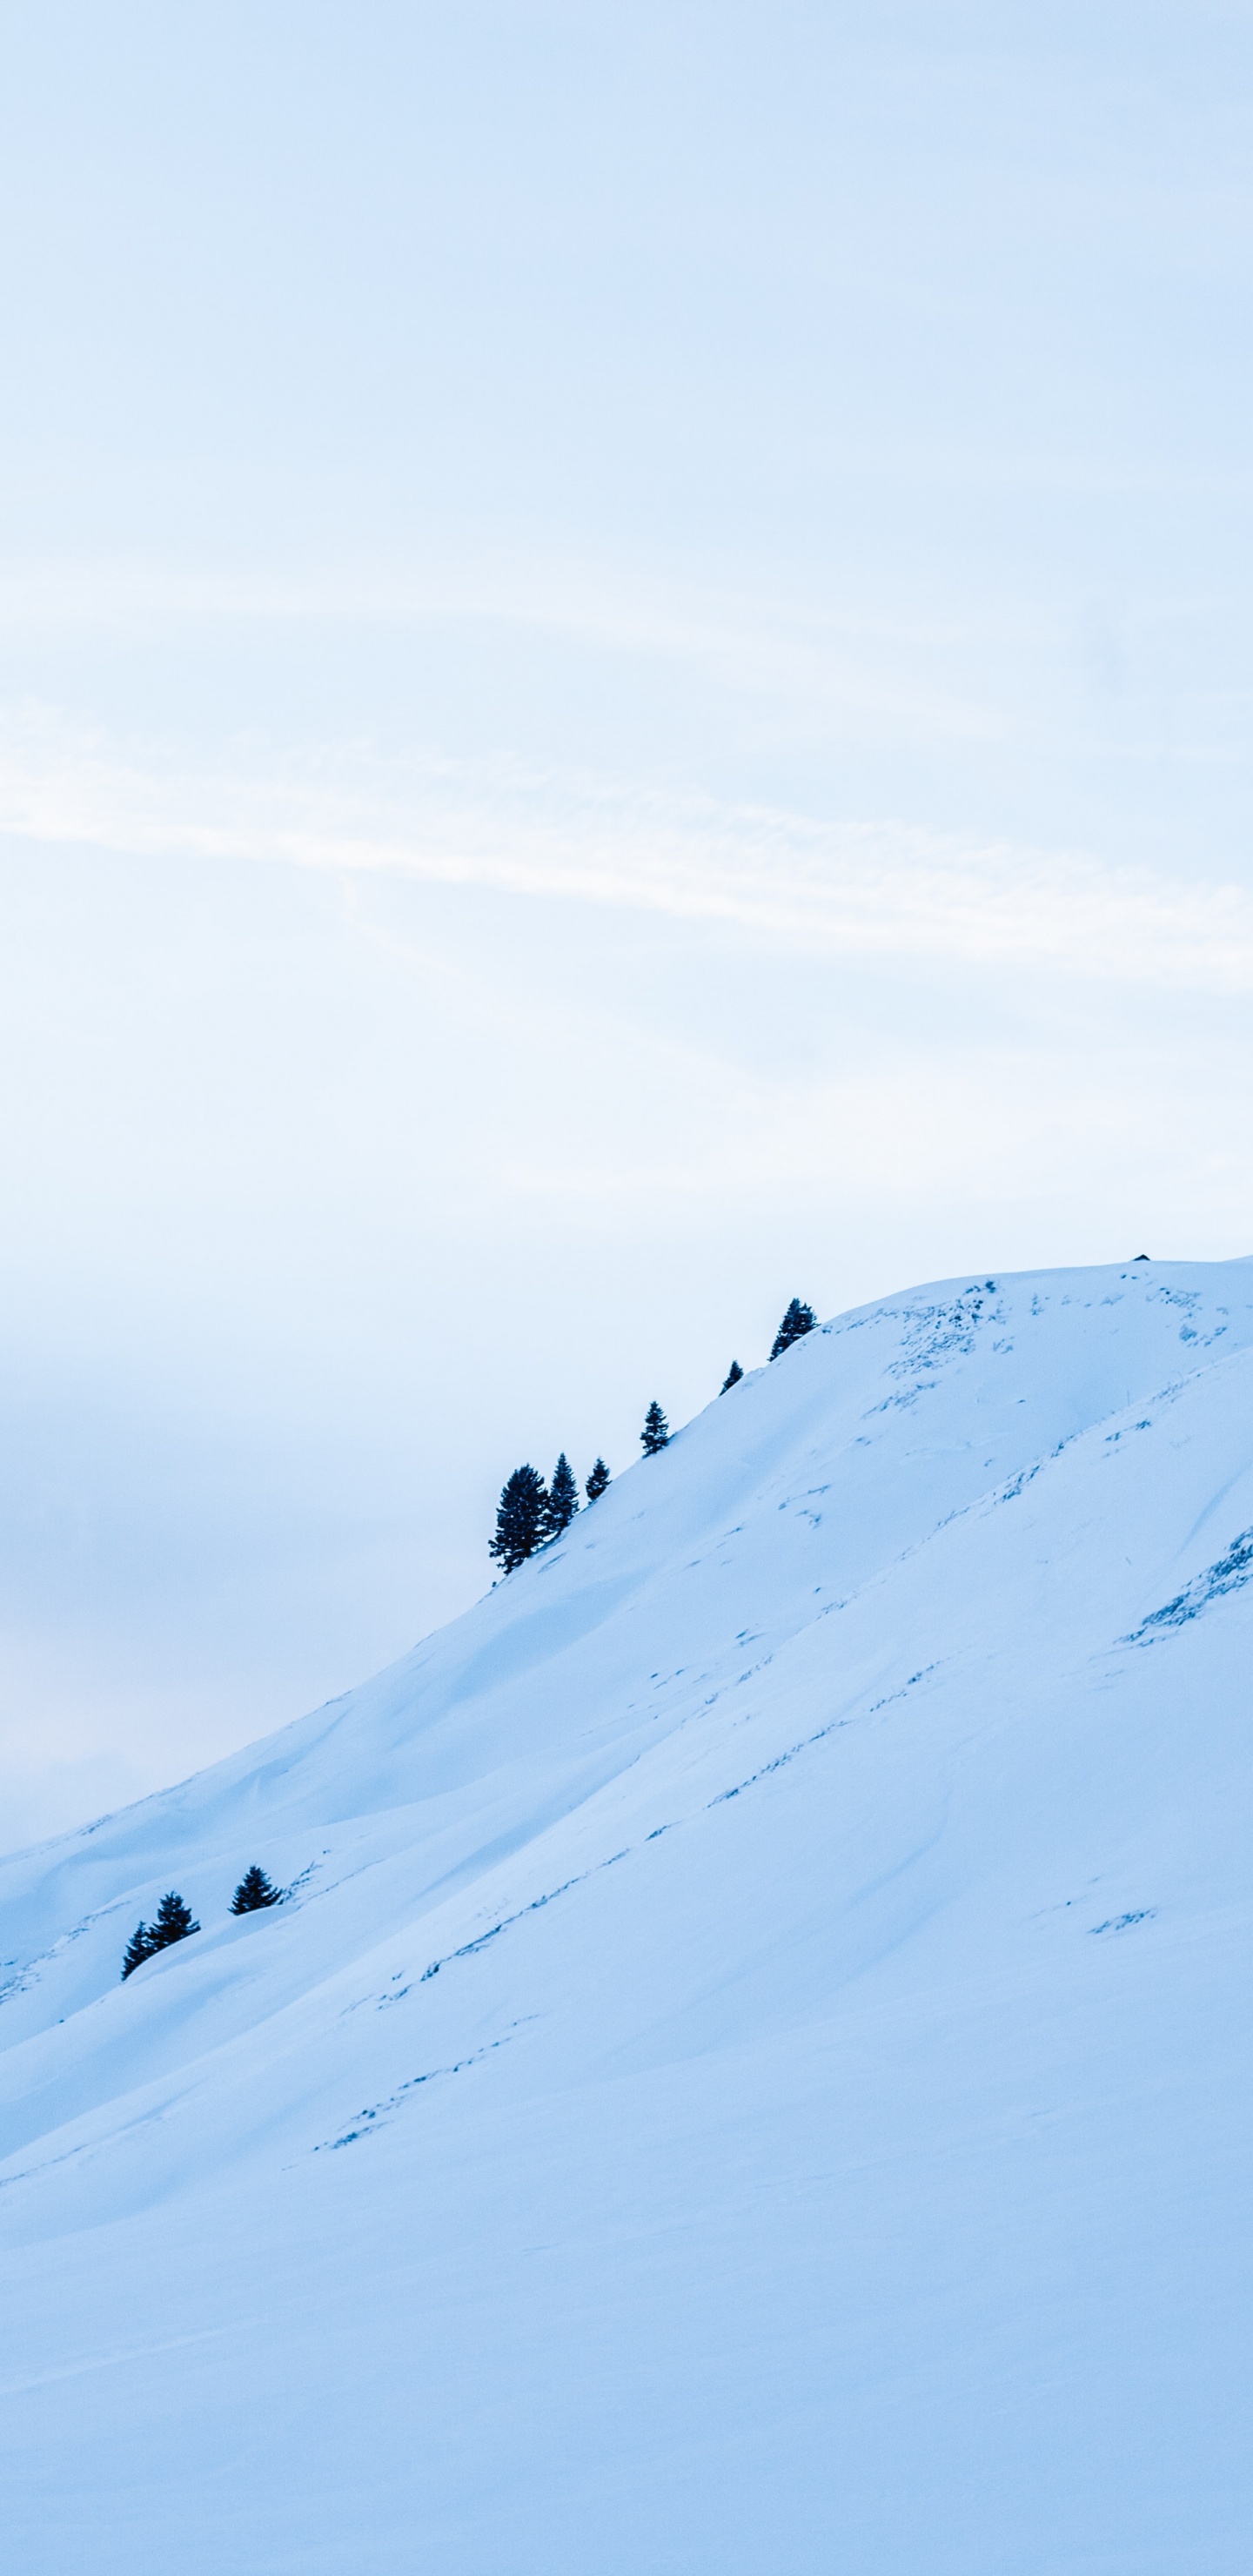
[753, 2074]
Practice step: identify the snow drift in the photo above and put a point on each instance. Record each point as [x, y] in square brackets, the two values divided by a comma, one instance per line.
[752, 2073]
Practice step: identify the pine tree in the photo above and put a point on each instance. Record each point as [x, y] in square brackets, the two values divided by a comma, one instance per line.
[597, 1481]
[732, 1378]
[254, 1891]
[520, 1518]
[140, 1947]
[656, 1430]
[798, 1321]
[563, 1499]
[173, 1922]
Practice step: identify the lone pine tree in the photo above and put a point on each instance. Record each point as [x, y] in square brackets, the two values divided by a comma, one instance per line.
[597, 1481]
[656, 1430]
[520, 1518]
[732, 1378]
[798, 1321]
[254, 1891]
[563, 1499]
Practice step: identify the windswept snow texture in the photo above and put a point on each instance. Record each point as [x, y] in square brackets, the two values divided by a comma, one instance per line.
[753, 2073]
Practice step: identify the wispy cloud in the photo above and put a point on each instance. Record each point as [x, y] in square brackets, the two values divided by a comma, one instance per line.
[882, 888]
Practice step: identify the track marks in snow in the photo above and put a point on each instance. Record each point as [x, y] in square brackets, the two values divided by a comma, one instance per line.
[377, 2114]
[27, 1973]
[806, 1743]
[483, 1940]
[1229, 1573]
[468, 1949]
[536, 1904]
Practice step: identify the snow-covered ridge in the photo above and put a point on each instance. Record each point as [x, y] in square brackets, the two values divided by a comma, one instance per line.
[782, 1811]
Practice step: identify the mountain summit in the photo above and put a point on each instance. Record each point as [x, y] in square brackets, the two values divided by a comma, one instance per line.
[749, 2072]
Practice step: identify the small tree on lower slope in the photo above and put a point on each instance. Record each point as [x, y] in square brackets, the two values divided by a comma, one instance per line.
[138, 1948]
[254, 1891]
[173, 1922]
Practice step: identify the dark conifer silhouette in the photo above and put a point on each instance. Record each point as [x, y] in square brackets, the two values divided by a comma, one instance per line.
[597, 1481]
[563, 1499]
[732, 1378]
[656, 1430]
[520, 1518]
[798, 1321]
[173, 1922]
[139, 1947]
[254, 1891]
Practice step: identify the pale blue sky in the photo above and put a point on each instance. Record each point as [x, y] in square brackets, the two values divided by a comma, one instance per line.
[625, 674]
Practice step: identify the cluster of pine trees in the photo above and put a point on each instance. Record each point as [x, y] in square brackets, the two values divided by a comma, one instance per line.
[529, 1516]
[173, 1920]
[530, 1513]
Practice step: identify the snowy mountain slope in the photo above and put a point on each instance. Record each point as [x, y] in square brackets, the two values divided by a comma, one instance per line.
[754, 2070]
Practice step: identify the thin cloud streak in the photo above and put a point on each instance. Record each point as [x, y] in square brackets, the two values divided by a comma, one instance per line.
[878, 889]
